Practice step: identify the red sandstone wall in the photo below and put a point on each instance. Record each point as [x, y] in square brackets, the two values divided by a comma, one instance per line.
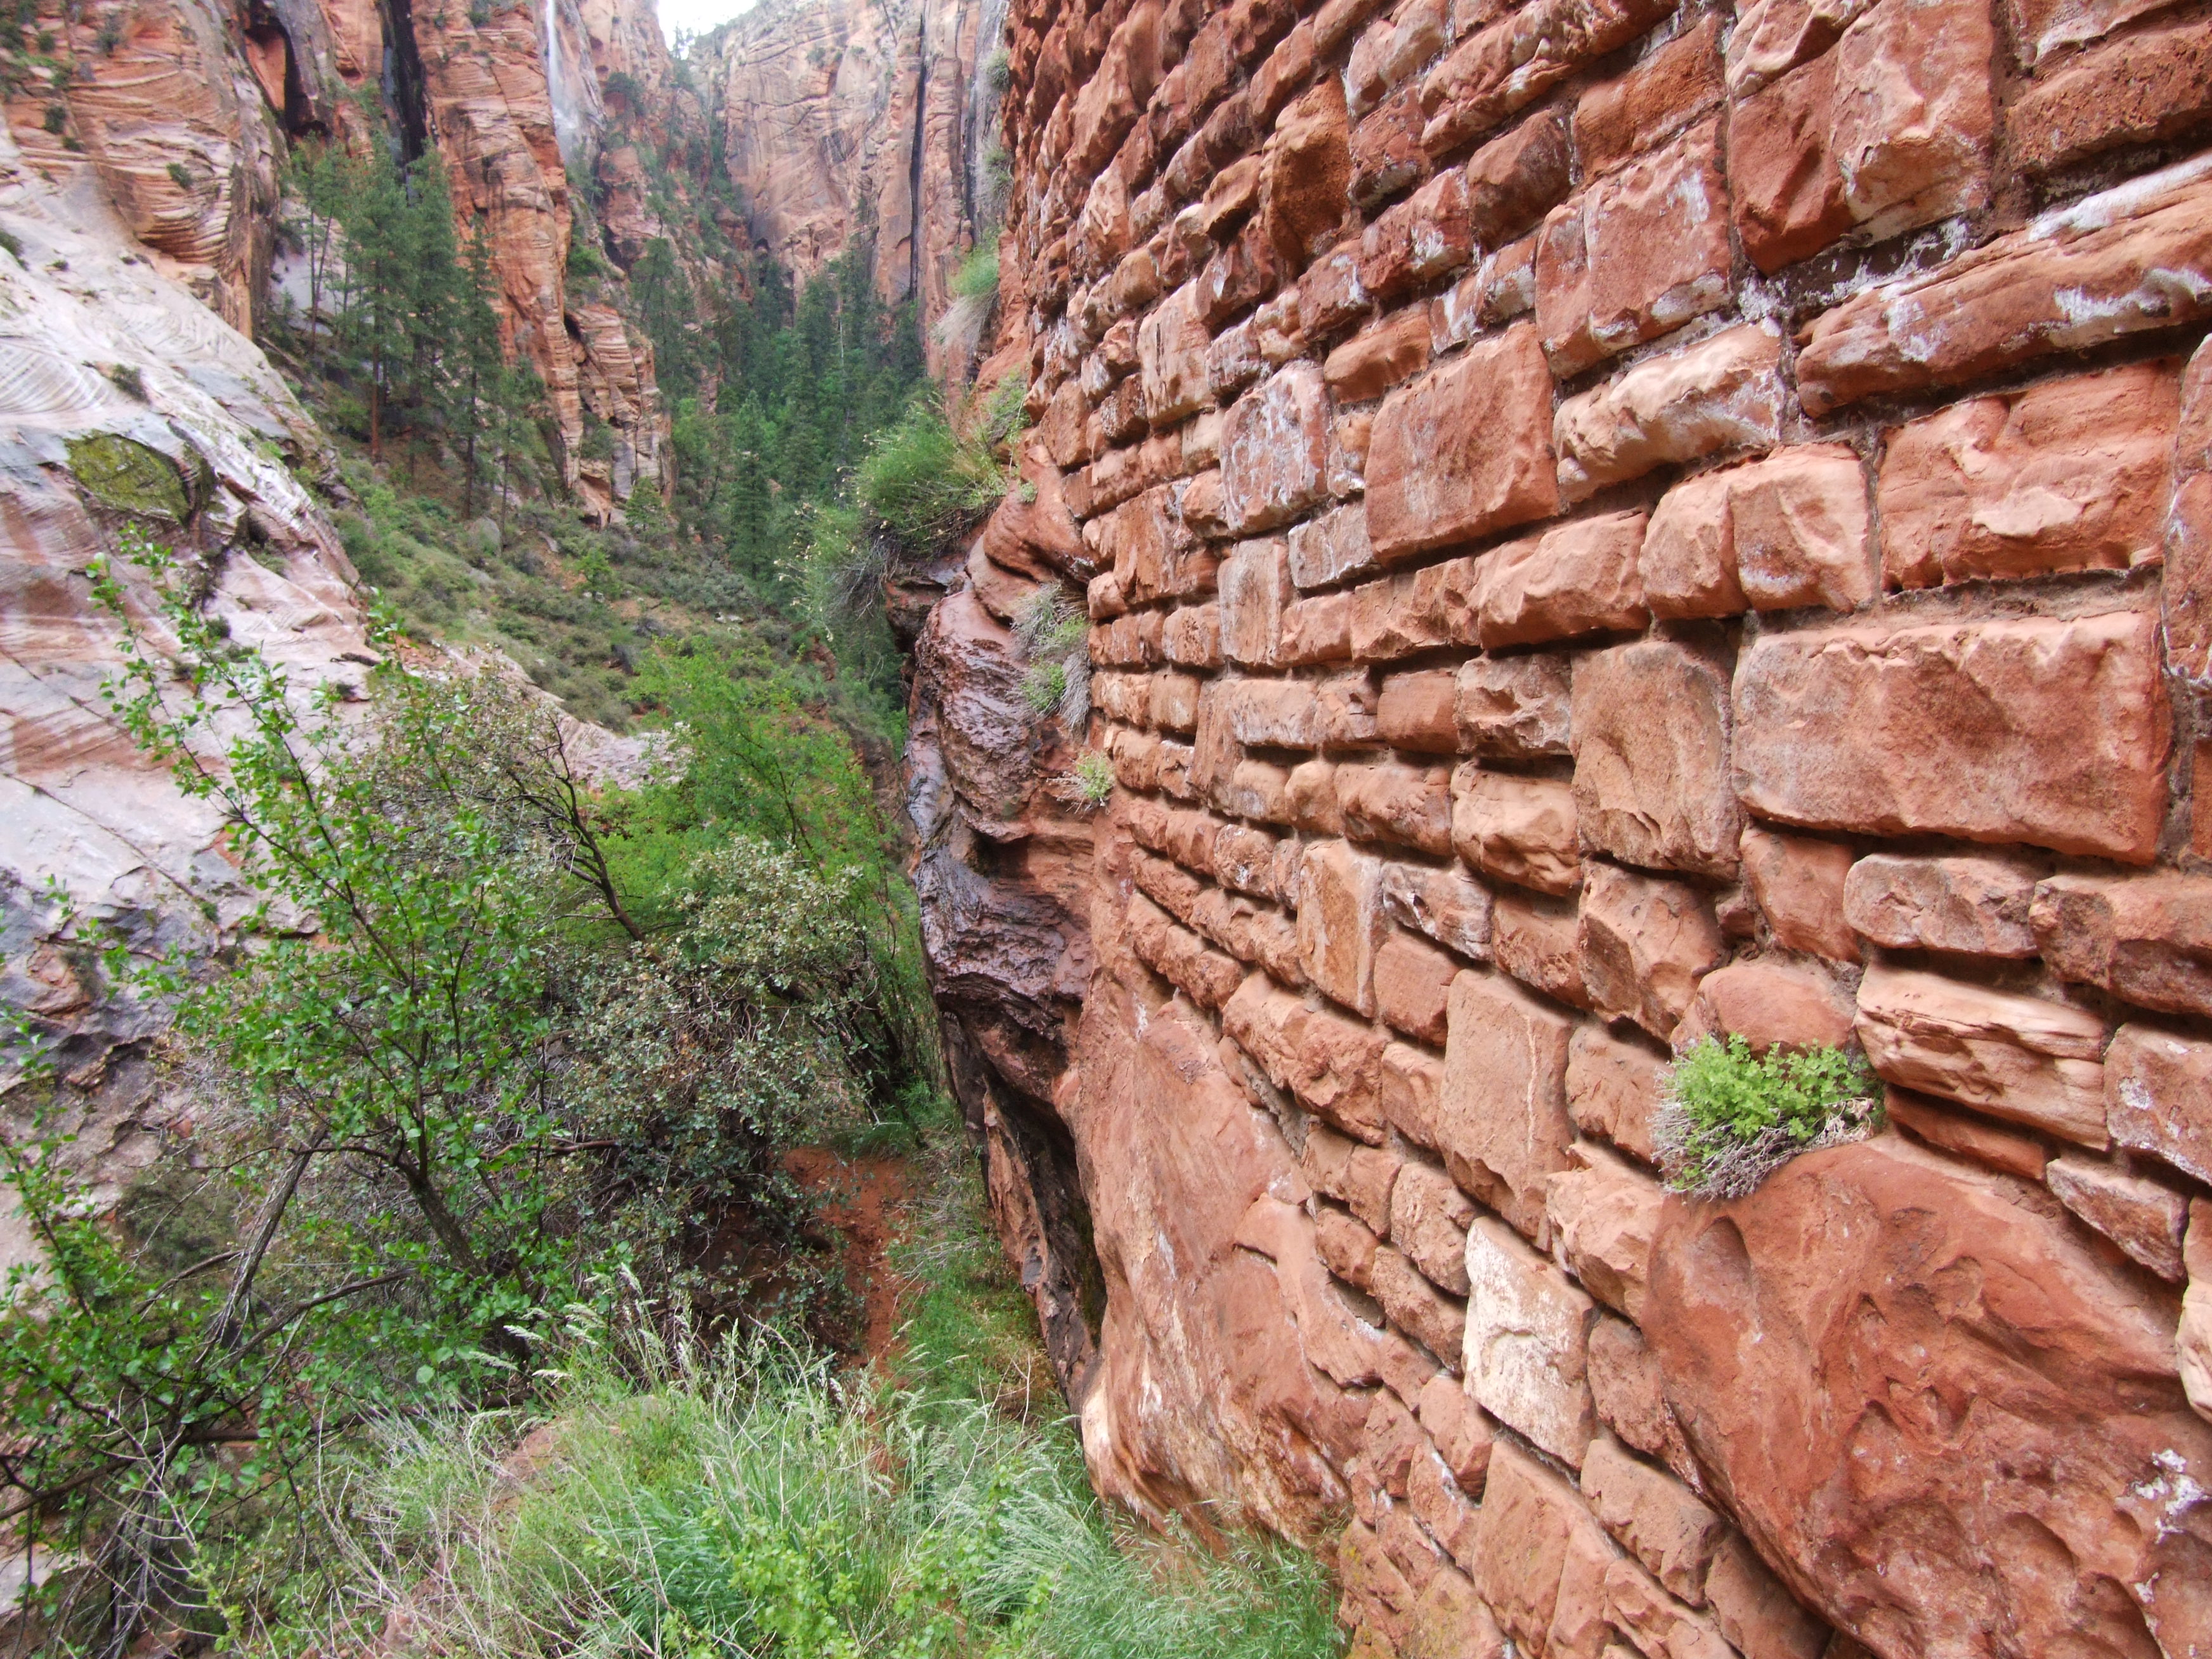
[1605, 522]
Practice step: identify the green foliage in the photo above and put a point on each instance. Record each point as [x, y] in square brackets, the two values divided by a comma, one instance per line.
[977, 277]
[923, 482]
[745, 1499]
[1043, 686]
[1731, 1116]
[180, 175]
[1089, 784]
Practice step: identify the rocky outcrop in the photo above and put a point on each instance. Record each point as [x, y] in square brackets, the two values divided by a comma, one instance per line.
[123, 399]
[1605, 524]
[838, 116]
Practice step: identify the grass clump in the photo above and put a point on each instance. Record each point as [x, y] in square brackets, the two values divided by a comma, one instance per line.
[742, 1498]
[924, 484]
[1088, 785]
[1731, 1118]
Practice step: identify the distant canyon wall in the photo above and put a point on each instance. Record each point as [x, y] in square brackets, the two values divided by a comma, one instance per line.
[834, 112]
[1605, 522]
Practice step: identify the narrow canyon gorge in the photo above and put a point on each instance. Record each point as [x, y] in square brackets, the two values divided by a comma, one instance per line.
[1601, 525]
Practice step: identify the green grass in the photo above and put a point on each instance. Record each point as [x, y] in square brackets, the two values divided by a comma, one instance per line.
[745, 1499]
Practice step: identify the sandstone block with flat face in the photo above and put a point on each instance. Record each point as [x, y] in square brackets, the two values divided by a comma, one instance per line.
[1171, 345]
[2146, 938]
[1429, 1217]
[1332, 547]
[2143, 87]
[2136, 256]
[1770, 1003]
[1774, 535]
[1414, 610]
[1655, 1516]
[1636, 1603]
[1913, 113]
[1613, 1088]
[1537, 940]
[1605, 1213]
[1530, 1518]
[2158, 1095]
[1450, 906]
[1411, 1083]
[1345, 1244]
[1974, 904]
[2020, 1057]
[1653, 102]
[1255, 590]
[1416, 1307]
[1341, 922]
[1756, 1614]
[1463, 451]
[1647, 249]
[1651, 739]
[2069, 475]
[1579, 578]
[1516, 828]
[1945, 728]
[1527, 1332]
[1644, 946]
[1628, 1390]
[1977, 1139]
[1416, 711]
[1413, 979]
[1515, 707]
[1269, 714]
[1791, 1325]
[1719, 394]
[1798, 882]
[1305, 172]
[1372, 362]
[1408, 805]
[1420, 242]
[2145, 1218]
[1457, 1429]
[1501, 1114]
[1789, 190]
[1513, 179]
[1440, 1505]
[1274, 450]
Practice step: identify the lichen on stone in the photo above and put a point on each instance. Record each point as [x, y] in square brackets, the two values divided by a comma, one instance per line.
[123, 474]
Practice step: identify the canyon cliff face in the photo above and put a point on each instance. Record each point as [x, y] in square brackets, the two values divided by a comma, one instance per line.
[1603, 522]
[834, 112]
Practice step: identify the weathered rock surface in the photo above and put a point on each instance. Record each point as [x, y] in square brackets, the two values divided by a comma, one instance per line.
[1897, 1372]
[1645, 649]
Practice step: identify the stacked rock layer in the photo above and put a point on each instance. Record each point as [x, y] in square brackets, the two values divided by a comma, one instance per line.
[1605, 522]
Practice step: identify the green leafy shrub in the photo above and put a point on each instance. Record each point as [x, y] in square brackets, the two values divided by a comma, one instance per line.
[1731, 1118]
[1089, 784]
[688, 1498]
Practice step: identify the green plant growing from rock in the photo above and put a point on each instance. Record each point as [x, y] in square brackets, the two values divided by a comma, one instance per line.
[1731, 1118]
[1055, 635]
[1086, 786]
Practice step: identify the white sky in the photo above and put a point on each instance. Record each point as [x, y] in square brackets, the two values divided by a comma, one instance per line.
[697, 15]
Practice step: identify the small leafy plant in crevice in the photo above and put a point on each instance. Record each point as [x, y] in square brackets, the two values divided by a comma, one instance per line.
[1731, 1118]
[1087, 786]
[1055, 635]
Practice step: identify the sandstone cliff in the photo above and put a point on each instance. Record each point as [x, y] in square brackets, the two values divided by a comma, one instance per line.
[832, 113]
[1605, 521]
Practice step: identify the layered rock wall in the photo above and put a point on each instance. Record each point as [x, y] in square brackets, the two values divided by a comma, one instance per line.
[1605, 522]
[836, 113]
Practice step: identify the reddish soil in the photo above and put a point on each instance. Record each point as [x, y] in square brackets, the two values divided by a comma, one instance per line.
[859, 1199]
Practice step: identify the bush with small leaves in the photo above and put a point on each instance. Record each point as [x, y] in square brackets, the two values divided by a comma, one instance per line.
[1730, 1117]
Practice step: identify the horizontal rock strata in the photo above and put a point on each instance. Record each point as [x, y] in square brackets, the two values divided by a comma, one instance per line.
[1608, 522]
